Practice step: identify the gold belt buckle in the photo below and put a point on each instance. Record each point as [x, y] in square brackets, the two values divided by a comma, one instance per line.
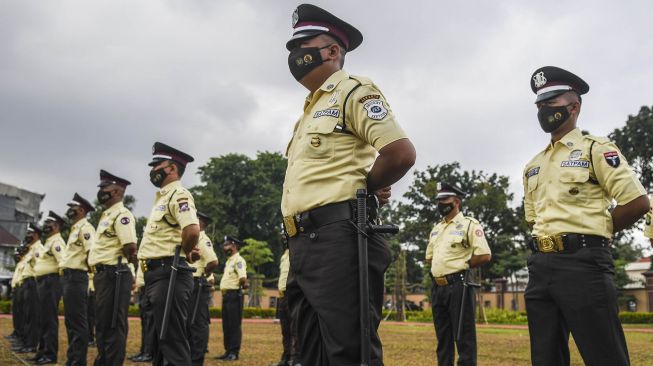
[550, 244]
[441, 281]
[143, 265]
[289, 224]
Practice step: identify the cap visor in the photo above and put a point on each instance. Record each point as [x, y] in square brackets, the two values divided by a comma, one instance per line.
[295, 39]
[549, 95]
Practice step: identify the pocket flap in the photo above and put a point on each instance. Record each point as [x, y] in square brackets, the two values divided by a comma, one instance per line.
[575, 176]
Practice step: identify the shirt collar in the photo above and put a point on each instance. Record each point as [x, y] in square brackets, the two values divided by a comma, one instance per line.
[170, 186]
[116, 206]
[53, 237]
[455, 219]
[79, 224]
[332, 82]
[570, 140]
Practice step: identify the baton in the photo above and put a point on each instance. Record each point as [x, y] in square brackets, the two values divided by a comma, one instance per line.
[170, 293]
[197, 299]
[116, 295]
[363, 284]
[462, 304]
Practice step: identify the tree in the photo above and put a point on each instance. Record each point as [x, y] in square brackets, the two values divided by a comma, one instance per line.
[243, 196]
[635, 142]
[256, 253]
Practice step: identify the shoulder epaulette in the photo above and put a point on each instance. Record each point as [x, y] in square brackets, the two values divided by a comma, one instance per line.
[361, 79]
[599, 139]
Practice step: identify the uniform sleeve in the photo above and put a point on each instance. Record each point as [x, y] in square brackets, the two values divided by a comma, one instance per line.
[56, 249]
[614, 174]
[206, 249]
[429, 249]
[371, 118]
[125, 228]
[648, 224]
[478, 240]
[182, 209]
[87, 234]
[529, 211]
[241, 268]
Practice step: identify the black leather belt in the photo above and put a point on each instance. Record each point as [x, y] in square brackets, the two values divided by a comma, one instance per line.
[319, 217]
[567, 243]
[104, 267]
[165, 262]
[450, 279]
[230, 291]
[47, 276]
[73, 270]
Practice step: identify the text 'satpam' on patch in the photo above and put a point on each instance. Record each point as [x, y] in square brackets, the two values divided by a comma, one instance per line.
[575, 164]
[458, 233]
[532, 172]
[375, 109]
[332, 112]
[612, 158]
[368, 97]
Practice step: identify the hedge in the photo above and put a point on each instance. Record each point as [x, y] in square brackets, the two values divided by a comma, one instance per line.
[495, 316]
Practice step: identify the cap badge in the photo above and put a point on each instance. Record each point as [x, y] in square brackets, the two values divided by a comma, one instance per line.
[539, 79]
[295, 17]
[315, 141]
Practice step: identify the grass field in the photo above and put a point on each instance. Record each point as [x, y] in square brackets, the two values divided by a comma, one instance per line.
[404, 345]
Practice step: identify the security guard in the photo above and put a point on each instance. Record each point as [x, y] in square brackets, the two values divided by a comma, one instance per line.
[569, 187]
[648, 228]
[346, 121]
[115, 243]
[205, 261]
[90, 314]
[456, 244]
[172, 222]
[290, 355]
[17, 304]
[29, 294]
[46, 270]
[234, 279]
[147, 326]
[74, 266]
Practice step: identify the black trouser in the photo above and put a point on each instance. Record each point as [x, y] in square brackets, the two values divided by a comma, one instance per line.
[174, 350]
[31, 303]
[198, 331]
[574, 292]
[75, 288]
[288, 331]
[232, 316]
[111, 342]
[17, 312]
[147, 323]
[323, 296]
[445, 303]
[90, 315]
[49, 288]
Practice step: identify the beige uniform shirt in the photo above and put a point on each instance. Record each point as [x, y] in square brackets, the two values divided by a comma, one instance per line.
[234, 270]
[452, 244]
[284, 267]
[207, 254]
[16, 279]
[174, 209]
[648, 228]
[30, 260]
[80, 241]
[91, 285]
[49, 255]
[566, 191]
[327, 162]
[116, 228]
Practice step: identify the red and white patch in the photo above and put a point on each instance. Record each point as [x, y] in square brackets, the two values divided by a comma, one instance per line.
[479, 232]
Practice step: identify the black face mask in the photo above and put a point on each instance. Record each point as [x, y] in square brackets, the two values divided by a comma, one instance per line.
[301, 61]
[551, 118]
[158, 176]
[71, 213]
[228, 252]
[28, 239]
[445, 208]
[103, 196]
[47, 229]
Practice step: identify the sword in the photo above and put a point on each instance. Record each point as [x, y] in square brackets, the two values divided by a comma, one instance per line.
[170, 293]
[116, 294]
[466, 284]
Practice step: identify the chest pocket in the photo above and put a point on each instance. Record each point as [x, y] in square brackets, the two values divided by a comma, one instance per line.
[318, 142]
[457, 244]
[573, 187]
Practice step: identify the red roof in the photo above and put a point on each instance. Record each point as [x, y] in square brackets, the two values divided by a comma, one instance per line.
[644, 260]
[7, 238]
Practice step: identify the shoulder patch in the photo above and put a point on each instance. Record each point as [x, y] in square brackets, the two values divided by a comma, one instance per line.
[208, 243]
[183, 206]
[57, 248]
[612, 158]
[240, 265]
[478, 233]
[376, 109]
[125, 220]
[87, 236]
[368, 97]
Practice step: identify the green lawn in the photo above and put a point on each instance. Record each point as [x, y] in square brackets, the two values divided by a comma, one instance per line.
[404, 345]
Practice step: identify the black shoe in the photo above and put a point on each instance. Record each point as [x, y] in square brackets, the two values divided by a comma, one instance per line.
[231, 357]
[27, 350]
[45, 361]
[280, 363]
[92, 344]
[143, 358]
[33, 359]
[132, 357]
[222, 357]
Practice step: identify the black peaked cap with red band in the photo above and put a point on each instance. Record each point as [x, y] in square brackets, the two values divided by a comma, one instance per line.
[309, 21]
[82, 202]
[107, 179]
[52, 216]
[549, 81]
[162, 152]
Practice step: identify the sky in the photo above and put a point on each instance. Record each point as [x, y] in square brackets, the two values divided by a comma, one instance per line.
[90, 85]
